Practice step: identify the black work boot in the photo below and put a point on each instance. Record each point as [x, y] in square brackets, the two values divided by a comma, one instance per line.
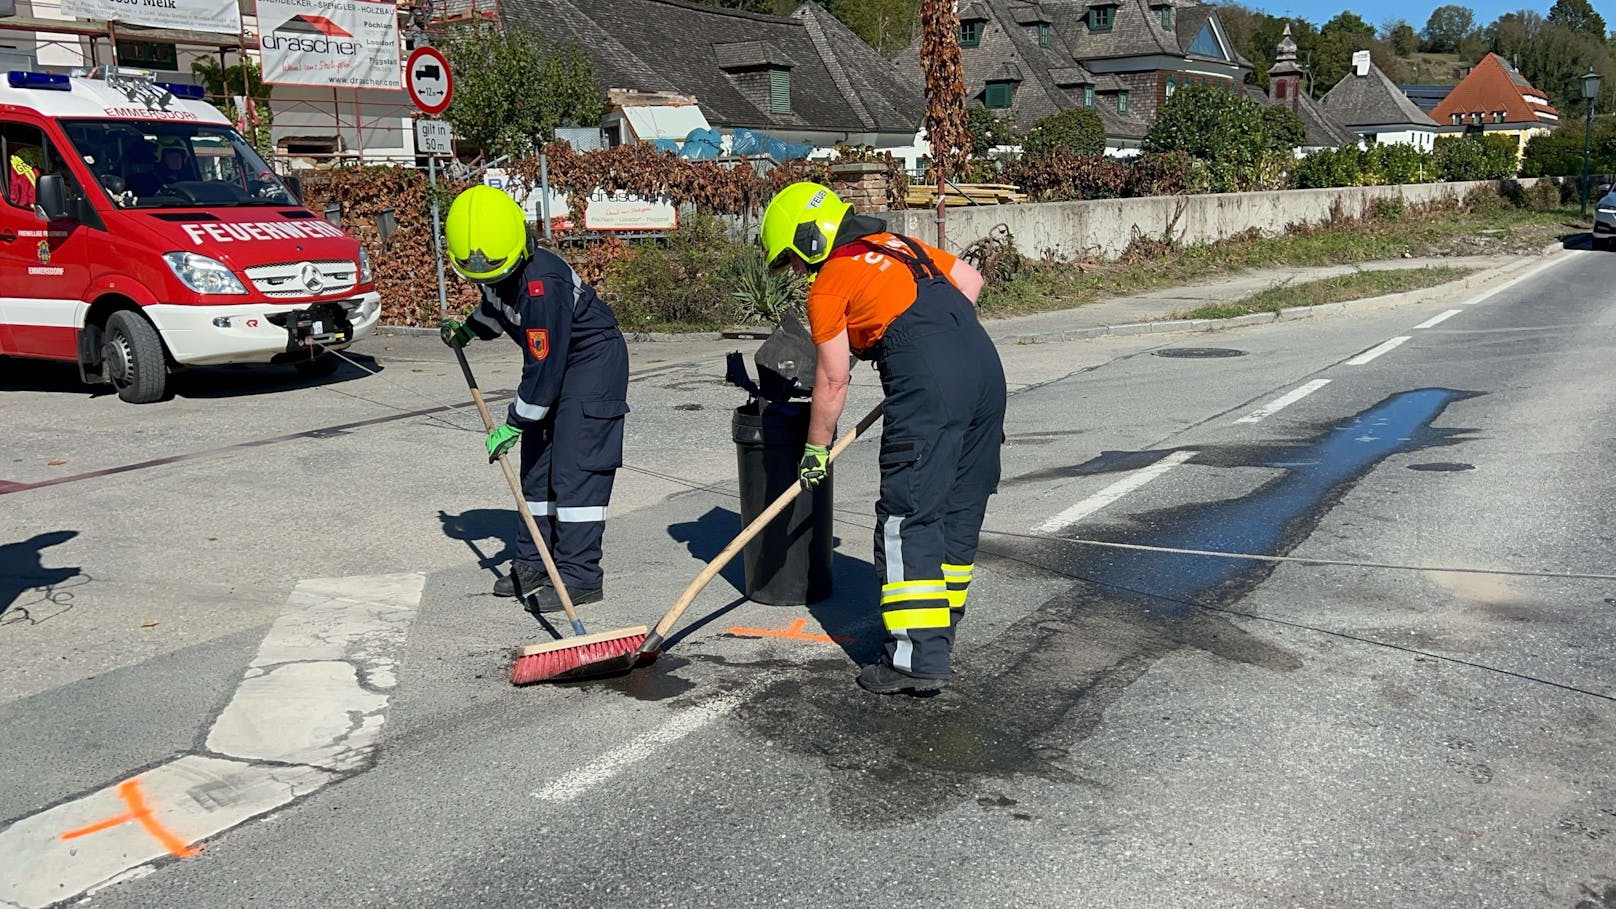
[547, 600]
[883, 679]
[524, 580]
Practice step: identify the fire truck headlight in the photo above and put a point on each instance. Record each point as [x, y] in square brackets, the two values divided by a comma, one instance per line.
[365, 275]
[202, 274]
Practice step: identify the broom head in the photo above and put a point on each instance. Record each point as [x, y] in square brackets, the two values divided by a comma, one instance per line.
[585, 657]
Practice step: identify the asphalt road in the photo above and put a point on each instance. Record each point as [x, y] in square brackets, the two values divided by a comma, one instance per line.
[1128, 727]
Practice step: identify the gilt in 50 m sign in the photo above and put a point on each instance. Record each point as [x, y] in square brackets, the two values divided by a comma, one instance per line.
[428, 80]
[336, 43]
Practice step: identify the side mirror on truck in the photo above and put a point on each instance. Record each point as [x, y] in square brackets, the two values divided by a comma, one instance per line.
[50, 198]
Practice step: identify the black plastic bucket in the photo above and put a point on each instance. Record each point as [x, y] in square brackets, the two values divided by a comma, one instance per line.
[789, 563]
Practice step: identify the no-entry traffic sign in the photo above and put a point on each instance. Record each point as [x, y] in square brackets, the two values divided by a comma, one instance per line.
[428, 80]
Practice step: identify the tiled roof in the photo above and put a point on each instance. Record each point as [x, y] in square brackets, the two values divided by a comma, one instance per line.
[1136, 29]
[837, 81]
[1493, 86]
[1372, 100]
[1425, 97]
[1050, 79]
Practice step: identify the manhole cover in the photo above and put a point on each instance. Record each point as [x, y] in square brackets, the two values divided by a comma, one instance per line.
[1199, 353]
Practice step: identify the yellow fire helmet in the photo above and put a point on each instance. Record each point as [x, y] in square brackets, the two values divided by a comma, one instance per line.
[803, 219]
[486, 232]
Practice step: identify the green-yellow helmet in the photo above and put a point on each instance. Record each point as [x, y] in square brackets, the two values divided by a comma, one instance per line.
[803, 219]
[486, 232]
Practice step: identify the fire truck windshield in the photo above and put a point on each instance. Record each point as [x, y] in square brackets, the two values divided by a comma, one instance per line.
[163, 164]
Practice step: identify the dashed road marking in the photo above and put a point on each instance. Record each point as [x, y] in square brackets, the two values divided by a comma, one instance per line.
[1523, 276]
[1377, 350]
[1438, 319]
[308, 711]
[1113, 492]
[576, 782]
[1283, 401]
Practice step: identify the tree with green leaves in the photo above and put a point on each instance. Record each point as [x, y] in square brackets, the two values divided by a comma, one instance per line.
[1448, 26]
[1224, 129]
[225, 83]
[512, 89]
[1078, 131]
[1283, 129]
[1578, 16]
[1403, 39]
[888, 26]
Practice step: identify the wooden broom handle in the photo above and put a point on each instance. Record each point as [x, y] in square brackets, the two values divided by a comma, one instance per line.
[521, 500]
[753, 529]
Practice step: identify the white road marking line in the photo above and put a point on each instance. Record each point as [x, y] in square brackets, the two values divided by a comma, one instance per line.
[576, 782]
[1438, 319]
[1524, 276]
[1113, 492]
[1283, 401]
[1377, 350]
[313, 699]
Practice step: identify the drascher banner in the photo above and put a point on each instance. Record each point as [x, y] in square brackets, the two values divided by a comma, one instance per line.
[338, 43]
[192, 15]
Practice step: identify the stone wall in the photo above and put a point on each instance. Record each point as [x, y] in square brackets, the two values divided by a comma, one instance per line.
[1103, 228]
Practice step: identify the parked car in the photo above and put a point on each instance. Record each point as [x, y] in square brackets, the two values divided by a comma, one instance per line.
[140, 233]
[1604, 233]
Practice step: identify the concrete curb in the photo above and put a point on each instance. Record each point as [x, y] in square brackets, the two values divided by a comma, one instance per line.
[1125, 329]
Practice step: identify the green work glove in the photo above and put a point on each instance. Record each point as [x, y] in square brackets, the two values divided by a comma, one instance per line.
[815, 462]
[501, 440]
[455, 333]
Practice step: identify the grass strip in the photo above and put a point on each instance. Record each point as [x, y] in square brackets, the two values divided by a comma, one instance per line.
[1358, 285]
[1048, 286]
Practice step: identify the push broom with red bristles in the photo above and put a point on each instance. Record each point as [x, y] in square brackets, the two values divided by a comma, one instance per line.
[583, 648]
[616, 652]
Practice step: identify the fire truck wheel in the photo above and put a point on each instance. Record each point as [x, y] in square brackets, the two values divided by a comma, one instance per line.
[132, 357]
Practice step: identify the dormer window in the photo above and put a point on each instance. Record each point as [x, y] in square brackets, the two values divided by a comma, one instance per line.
[1101, 18]
[1122, 103]
[1498, 116]
[1458, 119]
[970, 33]
[999, 95]
[1088, 96]
[1166, 14]
[1045, 33]
[1476, 118]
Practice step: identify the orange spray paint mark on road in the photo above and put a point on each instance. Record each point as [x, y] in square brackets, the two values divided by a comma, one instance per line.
[793, 632]
[140, 813]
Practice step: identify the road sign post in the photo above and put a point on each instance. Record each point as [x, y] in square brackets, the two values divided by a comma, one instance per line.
[430, 83]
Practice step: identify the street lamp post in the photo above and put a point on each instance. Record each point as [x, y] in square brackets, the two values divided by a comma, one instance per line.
[1590, 91]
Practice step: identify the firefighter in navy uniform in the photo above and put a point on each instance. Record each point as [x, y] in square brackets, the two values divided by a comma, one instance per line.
[569, 410]
[910, 308]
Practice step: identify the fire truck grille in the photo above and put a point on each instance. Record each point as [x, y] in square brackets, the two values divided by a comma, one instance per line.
[291, 280]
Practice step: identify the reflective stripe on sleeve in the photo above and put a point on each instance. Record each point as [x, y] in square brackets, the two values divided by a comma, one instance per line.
[908, 619]
[529, 411]
[958, 574]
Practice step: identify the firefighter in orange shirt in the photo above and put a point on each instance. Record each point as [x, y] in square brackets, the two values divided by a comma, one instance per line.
[910, 308]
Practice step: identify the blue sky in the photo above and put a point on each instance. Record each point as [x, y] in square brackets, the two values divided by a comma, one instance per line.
[1378, 11]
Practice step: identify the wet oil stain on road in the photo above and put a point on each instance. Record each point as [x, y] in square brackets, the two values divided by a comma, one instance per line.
[1020, 703]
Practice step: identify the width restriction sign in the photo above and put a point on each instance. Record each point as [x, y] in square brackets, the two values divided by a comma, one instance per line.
[428, 80]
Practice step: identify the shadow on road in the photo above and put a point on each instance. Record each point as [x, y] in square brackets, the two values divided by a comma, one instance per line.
[30, 593]
[199, 383]
[849, 613]
[479, 524]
